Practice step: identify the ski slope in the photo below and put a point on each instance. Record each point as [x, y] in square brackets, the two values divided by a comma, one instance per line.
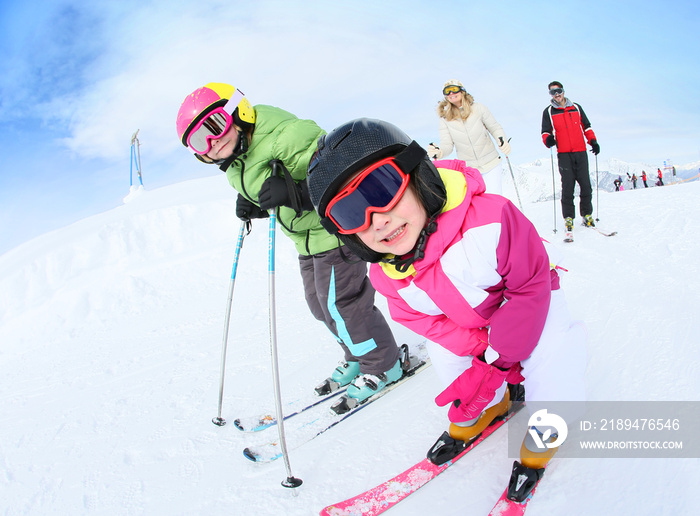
[110, 349]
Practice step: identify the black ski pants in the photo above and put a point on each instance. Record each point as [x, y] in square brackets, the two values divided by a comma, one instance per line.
[573, 168]
[340, 295]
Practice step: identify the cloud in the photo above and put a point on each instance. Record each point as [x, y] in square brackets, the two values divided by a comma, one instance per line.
[112, 69]
[49, 57]
[297, 63]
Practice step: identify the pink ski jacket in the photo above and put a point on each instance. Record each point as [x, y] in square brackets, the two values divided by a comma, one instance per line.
[485, 266]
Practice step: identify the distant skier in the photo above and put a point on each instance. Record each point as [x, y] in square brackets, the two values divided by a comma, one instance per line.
[660, 182]
[618, 183]
[468, 127]
[219, 126]
[644, 179]
[634, 181]
[565, 125]
[464, 268]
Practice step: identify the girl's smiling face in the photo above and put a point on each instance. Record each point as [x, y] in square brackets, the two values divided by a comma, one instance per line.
[396, 231]
[222, 148]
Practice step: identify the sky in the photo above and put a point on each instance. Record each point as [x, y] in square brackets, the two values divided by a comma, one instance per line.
[78, 78]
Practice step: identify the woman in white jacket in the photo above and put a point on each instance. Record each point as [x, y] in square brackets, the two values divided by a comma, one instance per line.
[465, 126]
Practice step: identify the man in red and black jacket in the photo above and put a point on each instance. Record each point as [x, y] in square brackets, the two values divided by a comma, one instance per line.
[565, 125]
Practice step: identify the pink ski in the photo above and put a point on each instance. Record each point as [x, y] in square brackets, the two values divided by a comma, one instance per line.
[384, 496]
[505, 507]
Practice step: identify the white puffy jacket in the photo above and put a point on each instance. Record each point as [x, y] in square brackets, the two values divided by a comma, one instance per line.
[471, 138]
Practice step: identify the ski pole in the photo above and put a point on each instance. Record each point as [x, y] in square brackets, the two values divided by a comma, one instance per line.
[597, 201]
[131, 168]
[239, 243]
[554, 190]
[290, 481]
[135, 158]
[515, 185]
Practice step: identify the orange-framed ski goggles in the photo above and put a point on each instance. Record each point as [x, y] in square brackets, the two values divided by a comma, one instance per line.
[377, 189]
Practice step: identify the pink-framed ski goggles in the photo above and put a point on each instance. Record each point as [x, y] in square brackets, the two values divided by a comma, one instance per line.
[213, 125]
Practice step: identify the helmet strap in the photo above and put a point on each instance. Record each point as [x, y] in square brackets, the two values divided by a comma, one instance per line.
[402, 263]
[241, 148]
[409, 158]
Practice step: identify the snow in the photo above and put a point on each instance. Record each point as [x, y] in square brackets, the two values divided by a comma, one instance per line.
[112, 329]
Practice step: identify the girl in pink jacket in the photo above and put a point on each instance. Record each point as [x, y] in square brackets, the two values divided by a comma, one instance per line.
[463, 268]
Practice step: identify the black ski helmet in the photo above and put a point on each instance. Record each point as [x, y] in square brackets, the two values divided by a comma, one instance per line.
[354, 146]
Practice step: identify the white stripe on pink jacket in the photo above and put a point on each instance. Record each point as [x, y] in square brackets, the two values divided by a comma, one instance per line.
[484, 266]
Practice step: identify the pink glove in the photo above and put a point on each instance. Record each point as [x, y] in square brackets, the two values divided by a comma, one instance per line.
[514, 374]
[477, 341]
[472, 391]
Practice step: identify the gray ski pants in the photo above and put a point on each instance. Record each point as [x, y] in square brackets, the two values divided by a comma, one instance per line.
[340, 295]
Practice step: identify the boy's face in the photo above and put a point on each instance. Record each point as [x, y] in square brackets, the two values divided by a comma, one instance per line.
[223, 147]
[396, 231]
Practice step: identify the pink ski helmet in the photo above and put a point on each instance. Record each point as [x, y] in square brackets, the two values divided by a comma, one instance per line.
[213, 96]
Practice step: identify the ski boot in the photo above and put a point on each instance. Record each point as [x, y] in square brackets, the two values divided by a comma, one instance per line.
[342, 376]
[528, 472]
[569, 224]
[569, 229]
[588, 221]
[470, 430]
[366, 385]
[460, 435]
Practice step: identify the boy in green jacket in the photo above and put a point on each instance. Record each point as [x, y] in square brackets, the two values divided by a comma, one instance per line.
[219, 126]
